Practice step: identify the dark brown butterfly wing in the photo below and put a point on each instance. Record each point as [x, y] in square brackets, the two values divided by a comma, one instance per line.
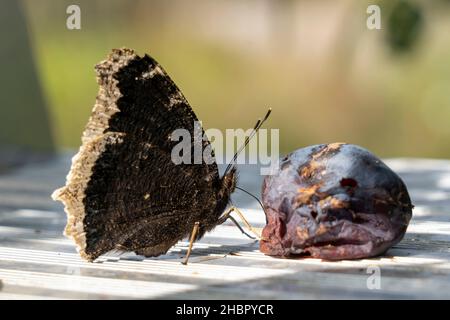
[123, 190]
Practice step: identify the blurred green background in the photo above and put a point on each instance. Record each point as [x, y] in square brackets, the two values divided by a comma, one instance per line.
[325, 74]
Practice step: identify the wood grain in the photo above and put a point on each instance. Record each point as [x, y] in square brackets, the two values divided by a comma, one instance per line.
[37, 262]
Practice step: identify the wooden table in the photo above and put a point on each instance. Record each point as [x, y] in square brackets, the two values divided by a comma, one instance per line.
[38, 262]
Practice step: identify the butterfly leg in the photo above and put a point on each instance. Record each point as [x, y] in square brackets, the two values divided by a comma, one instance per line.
[247, 224]
[227, 216]
[191, 242]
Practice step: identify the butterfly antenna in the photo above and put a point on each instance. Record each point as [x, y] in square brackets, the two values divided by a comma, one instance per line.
[257, 126]
[253, 196]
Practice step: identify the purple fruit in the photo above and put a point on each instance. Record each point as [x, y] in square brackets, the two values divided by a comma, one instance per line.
[335, 201]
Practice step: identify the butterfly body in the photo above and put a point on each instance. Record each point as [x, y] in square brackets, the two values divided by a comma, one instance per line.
[123, 190]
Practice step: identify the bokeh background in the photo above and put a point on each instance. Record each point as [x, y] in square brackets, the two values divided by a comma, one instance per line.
[327, 76]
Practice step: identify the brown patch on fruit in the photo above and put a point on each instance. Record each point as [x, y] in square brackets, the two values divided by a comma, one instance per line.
[302, 233]
[305, 194]
[321, 230]
[338, 204]
[328, 149]
[314, 166]
[333, 203]
[308, 171]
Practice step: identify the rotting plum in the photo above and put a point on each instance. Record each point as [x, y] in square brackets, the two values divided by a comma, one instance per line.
[333, 201]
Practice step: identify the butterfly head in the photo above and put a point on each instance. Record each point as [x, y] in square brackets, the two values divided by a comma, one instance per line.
[229, 181]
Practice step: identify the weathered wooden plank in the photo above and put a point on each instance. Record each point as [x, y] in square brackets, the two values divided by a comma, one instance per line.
[36, 261]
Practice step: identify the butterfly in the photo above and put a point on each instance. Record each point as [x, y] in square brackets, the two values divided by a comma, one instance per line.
[123, 191]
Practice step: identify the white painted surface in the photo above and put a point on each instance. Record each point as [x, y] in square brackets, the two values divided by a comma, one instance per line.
[37, 262]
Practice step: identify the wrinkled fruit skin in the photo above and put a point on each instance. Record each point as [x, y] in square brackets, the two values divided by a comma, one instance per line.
[335, 201]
